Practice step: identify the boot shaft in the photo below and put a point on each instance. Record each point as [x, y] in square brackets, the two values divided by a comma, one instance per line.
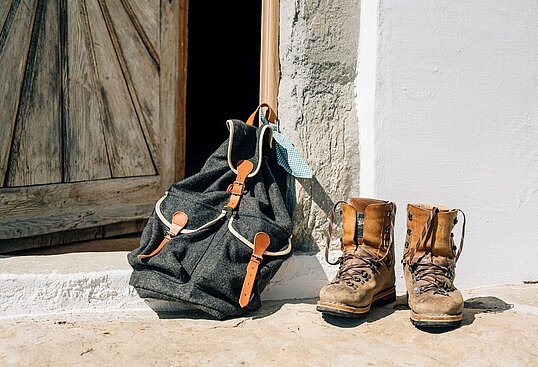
[368, 222]
[437, 239]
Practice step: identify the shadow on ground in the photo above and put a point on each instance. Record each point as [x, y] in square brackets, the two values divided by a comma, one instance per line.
[268, 308]
[376, 313]
[478, 305]
[473, 307]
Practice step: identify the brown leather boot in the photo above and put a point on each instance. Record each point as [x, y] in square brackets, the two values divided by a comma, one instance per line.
[366, 273]
[429, 266]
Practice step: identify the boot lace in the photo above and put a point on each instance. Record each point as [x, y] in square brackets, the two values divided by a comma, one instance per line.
[353, 268]
[436, 277]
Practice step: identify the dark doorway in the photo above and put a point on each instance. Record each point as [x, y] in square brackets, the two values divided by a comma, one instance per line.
[223, 72]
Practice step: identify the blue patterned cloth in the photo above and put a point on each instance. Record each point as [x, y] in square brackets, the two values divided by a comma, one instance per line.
[288, 157]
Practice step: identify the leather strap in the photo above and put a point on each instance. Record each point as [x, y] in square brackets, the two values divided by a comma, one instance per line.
[261, 243]
[179, 221]
[270, 114]
[238, 187]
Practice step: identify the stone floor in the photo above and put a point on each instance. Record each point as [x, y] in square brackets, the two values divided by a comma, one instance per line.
[500, 328]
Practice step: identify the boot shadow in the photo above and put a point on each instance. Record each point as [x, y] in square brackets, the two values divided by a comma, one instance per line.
[377, 312]
[478, 305]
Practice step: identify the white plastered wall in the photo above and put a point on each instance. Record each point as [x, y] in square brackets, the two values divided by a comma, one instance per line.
[448, 114]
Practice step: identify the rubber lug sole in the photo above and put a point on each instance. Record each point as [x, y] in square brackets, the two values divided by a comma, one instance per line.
[435, 321]
[381, 298]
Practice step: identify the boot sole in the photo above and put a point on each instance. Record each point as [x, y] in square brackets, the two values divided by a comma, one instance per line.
[337, 309]
[435, 321]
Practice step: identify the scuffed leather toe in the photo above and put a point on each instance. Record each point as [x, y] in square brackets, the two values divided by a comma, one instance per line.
[437, 304]
[340, 293]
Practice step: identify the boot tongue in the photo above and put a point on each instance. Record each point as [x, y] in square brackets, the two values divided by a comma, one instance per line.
[363, 223]
[439, 239]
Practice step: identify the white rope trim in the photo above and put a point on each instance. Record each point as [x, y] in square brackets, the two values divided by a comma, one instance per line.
[264, 128]
[232, 230]
[208, 224]
[184, 230]
[159, 213]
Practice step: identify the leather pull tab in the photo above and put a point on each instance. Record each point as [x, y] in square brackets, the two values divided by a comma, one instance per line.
[261, 243]
[270, 114]
[238, 187]
[179, 221]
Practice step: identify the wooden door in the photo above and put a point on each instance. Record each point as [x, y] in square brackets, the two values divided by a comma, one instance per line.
[90, 116]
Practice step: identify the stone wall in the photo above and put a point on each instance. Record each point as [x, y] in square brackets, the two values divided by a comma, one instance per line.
[318, 55]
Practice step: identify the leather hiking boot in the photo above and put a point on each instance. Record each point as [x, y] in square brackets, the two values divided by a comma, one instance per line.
[429, 266]
[366, 273]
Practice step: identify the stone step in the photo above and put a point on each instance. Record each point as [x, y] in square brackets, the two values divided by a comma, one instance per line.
[99, 281]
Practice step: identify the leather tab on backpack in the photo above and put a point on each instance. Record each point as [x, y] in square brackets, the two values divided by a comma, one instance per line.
[238, 187]
[179, 221]
[261, 243]
[270, 114]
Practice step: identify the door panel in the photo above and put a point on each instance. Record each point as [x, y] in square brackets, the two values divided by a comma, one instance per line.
[14, 42]
[141, 71]
[127, 149]
[4, 10]
[145, 15]
[87, 156]
[86, 140]
[35, 156]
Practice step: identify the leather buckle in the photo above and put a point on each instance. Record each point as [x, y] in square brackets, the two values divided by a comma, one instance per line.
[179, 221]
[256, 258]
[238, 188]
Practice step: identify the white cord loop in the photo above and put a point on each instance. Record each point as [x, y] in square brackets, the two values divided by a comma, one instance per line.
[184, 230]
[265, 129]
[232, 230]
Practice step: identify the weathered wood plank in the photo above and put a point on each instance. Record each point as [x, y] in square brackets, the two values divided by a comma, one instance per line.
[140, 70]
[70, 241]
[14, 43]
[35, 156]
[86, 156]
[145, 17]
[126, 146]
[173, 89]
[5, 5]
[37, 210]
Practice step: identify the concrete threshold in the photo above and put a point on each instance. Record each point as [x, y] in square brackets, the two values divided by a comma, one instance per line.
[99, 281]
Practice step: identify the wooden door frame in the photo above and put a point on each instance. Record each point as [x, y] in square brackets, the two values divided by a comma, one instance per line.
[269, 56]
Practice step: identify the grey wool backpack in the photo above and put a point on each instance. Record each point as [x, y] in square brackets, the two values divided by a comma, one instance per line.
[216, 238]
